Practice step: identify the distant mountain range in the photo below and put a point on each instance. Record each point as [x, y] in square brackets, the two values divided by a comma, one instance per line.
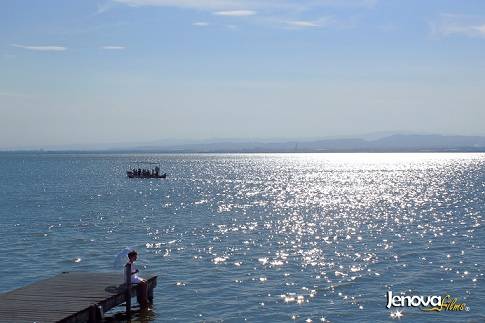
[366, 143]
[391, 143]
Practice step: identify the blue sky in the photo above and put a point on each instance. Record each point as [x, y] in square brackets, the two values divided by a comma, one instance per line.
[87, 72]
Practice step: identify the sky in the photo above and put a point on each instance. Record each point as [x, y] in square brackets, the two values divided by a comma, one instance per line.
[126, 71]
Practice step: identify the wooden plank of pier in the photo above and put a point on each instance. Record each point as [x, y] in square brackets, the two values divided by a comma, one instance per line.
[70, 297]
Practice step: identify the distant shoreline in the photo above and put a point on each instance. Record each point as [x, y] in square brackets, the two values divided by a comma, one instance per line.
[397, 143]
[172, 152]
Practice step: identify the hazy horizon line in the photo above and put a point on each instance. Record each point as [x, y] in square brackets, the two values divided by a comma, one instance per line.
[171, 143]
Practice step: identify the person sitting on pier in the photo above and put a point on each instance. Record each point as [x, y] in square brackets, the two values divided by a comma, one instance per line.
[157, 171]
[142, 291]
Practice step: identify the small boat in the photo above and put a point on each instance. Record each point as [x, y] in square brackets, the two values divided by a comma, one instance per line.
[136, 175]
[146, 173]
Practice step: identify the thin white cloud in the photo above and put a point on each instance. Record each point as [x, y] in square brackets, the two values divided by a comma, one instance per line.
[319, 23]
[210, 5]
[200, 24]
[235, 13]
[302, 24]
[187, 4]
[456, 29]
[290, 14]
[113, 47]
[458, 25]
[41, 48]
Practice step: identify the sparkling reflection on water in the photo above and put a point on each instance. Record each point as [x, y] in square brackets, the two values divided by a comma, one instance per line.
[256, 237]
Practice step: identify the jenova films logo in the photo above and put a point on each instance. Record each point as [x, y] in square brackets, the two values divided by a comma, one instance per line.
[426, 303]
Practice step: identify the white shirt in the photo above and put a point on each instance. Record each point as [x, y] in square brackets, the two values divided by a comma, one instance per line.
[135, 279]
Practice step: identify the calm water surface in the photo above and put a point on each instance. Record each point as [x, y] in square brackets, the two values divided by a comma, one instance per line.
[256, 237]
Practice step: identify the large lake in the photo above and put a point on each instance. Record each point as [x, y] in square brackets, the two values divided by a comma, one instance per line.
[256, 237]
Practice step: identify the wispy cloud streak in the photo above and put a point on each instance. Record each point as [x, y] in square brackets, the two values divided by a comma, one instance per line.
[288, 14]
[235, 13]
[210, 5]
[464, 25]
[41, 48]
[302, 23]
[318, 23]
[188, 4]
[200, 24]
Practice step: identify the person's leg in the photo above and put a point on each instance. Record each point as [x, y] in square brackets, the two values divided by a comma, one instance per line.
[143, 294]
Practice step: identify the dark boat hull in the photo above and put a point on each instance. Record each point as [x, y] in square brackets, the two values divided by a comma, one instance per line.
[131, 175]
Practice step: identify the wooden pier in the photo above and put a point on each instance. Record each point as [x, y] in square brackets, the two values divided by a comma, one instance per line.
[70, 297]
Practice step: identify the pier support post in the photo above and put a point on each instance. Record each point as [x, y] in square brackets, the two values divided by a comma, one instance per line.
[128, 288]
